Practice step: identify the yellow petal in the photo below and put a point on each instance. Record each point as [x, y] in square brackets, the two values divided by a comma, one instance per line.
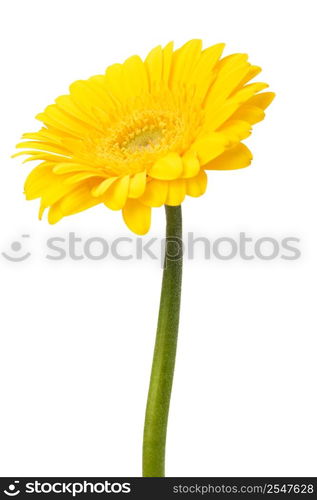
[209, 147]
[137, 185]
[43, 156]
[237, 157]
[66, 168]
[253, 72]
[67, 104]
[77, 200]
[73, 179]
[154, 66]
[248, 91]
[101, 188]
[184, 60]
[62, 121]
[228, 63]
[37, 180]
[55, 213]
[41, 211]
[262, 100]
[137, 216]
[224, 85]
[236, 130]
[248, 113]
[197, 185]
[43, 183]
[43, 135]
[115, 82]
[117, 194]
[191, 165]
[167, 168]
[217, 118]
[176, 192]
[36, 155]
[135, 76]
[85, 98]
[43, 146]
[203, 74]
[167, 61]
[155, 193]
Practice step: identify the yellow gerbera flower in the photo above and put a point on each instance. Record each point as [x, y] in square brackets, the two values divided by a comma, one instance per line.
[144, 133]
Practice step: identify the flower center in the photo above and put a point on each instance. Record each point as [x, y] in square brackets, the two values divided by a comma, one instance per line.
[146, 140]
[136, 141]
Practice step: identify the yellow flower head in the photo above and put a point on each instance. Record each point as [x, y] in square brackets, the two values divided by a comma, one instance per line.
[144, 133]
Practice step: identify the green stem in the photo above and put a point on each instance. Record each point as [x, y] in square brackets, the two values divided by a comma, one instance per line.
[160, 389]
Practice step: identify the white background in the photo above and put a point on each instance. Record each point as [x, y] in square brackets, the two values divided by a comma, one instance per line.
[77, 336]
